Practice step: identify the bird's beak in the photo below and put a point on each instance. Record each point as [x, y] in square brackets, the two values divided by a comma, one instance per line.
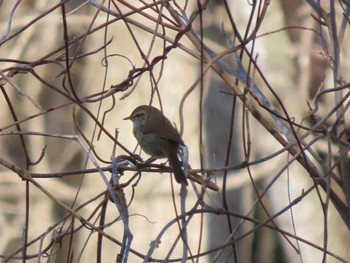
[127, 118]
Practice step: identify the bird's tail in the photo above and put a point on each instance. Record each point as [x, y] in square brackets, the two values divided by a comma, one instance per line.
[175, 163]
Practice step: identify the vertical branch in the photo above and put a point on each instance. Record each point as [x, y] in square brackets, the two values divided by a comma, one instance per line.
[66, 42]
[338, 94]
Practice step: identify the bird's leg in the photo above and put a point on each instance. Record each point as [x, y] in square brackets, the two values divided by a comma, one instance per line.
[154, 158]
[151, 159]
[148, 161]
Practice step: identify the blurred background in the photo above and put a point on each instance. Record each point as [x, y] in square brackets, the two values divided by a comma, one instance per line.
[74, 69]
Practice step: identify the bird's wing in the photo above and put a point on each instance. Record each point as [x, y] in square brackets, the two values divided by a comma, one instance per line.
[172, 134]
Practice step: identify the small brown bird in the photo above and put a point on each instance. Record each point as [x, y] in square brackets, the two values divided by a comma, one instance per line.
[158, 137]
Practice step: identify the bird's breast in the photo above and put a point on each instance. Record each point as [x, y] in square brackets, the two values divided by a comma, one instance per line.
[151, 143]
